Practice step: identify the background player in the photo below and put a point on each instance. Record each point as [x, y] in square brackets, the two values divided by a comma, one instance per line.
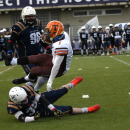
[49, 66]
[27, 33]
[27, 106]
[84, 38]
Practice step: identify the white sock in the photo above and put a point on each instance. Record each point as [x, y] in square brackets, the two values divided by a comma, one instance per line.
[40, 82]
[27, 78]
[116, 49]
[71, 85]
[84, 110]
[112, 50]
[14, 61]
[126, 49]
[87, 51]
[81, 51]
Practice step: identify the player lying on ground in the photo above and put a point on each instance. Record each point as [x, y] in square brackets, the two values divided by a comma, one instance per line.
[27, 106]
[49, 66]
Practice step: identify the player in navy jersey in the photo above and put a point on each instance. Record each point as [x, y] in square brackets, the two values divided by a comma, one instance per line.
[27, 105]
[84, 38]
[27, 33]
[112, 39]
[100, 32]
[94, 35]
[117, 35]
[126, 33]
[106, 40]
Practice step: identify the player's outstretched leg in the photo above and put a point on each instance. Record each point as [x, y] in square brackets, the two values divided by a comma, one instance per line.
[86, 109]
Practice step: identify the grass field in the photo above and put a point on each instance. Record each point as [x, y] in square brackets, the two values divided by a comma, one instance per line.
[106, 80]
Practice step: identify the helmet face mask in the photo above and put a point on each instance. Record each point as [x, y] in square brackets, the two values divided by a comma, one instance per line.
[27, 12]
[18, 95]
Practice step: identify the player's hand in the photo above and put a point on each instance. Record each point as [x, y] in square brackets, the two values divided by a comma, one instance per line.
[48, 86]
[102, 42]
[37, 115]
[58, 113]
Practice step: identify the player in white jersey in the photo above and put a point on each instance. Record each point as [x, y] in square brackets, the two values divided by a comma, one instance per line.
[49, 66]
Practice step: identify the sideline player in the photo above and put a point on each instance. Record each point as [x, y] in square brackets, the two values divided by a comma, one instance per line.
[27, 33]
[50, 66]
[84, 38]
[27, 106]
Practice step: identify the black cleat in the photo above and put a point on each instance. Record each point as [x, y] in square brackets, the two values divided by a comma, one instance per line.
[19, 81]
[4, 57]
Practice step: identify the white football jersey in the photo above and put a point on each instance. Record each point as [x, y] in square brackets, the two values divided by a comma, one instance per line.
[61, 48]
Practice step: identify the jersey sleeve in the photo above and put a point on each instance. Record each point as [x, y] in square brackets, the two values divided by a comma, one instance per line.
[12, 108]
[16, 29]
[29, 89]
[61, 51]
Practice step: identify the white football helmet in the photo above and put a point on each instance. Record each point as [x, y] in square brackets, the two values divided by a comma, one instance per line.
[107, 29]
[28, 11]
[128, 24]
[17, 95]
[100, 27]
[83, 27]
[110, 25]
[116, 26]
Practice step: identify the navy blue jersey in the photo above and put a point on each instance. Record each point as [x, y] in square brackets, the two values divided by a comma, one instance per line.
[117, 32]
[127, 32]
[29, 38]
[94, 35]
[28, 109]
[84, 36]
[106, 36]
[100, 35]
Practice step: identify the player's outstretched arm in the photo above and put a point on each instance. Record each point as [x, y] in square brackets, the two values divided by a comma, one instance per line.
[54, 71]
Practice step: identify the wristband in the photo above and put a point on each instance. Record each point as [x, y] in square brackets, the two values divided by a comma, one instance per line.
[51, 107]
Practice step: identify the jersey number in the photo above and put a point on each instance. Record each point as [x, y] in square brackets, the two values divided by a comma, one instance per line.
[35, 37]
[31, 109]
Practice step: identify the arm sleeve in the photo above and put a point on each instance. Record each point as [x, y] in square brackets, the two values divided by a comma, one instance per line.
[44, 101]
[20, 116]
[56, 66]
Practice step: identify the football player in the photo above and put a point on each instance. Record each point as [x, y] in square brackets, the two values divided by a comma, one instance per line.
[100, 32]
[50, 66]
[27, 106]
[84, 38]
[106, 40]
[126, 33]
[94, 36]
[27, 33]
[112, 40]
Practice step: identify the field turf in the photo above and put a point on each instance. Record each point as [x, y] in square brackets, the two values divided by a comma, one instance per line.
[106, 80]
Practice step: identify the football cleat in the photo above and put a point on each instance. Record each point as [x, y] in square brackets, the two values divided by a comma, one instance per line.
[76, 80]
[93, 108]
[19, 81]
[112, 54]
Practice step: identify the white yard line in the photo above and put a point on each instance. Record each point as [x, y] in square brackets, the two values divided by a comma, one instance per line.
[120, 61]
[6, 69]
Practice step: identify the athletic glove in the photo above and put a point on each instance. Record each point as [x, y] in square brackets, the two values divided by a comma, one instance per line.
[48, 86]
[37, 115]
[58, 113]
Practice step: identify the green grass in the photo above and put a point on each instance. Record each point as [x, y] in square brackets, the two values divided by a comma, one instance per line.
[108, 87]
